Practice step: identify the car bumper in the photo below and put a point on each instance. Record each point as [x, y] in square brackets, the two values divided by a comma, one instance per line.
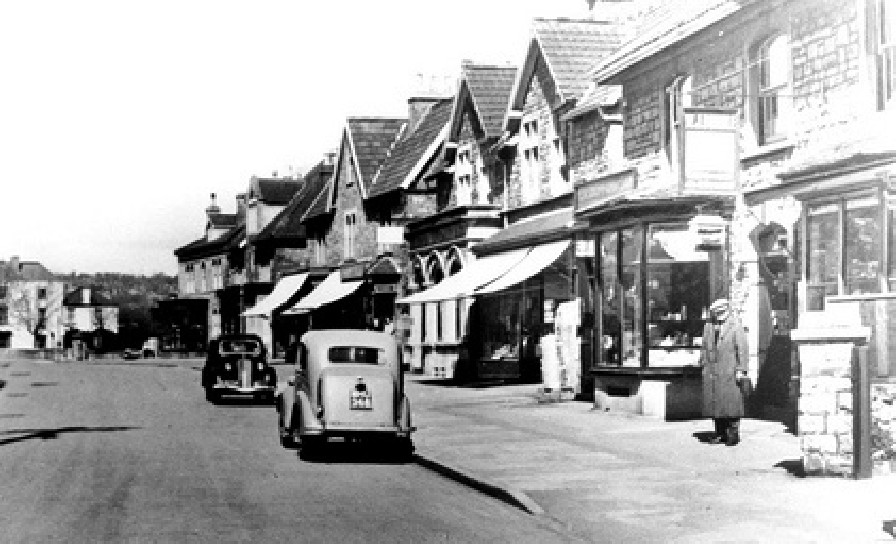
[236, 389]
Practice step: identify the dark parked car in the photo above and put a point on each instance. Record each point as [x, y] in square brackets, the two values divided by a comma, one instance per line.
[131, 353]
[237, 364]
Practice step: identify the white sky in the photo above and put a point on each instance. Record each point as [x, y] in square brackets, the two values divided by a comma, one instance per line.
[118, 118]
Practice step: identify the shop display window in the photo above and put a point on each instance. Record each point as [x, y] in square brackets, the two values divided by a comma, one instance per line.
[501, 326]
[678, 295]
[652, 311]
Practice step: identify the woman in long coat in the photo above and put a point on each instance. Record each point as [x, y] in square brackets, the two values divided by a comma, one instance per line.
[725, 362]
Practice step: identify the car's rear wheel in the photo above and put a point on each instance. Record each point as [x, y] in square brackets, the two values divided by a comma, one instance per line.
[212, 395]
[312, 447]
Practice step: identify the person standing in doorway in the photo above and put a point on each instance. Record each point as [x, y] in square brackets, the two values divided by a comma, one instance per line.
[725, 363]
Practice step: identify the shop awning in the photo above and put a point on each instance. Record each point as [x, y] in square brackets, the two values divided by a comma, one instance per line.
[329, 290]
[539, 258]
[283, 291]
[474, 275]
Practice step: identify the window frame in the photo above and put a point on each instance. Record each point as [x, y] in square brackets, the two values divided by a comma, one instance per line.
[770, 129]
[883, 26]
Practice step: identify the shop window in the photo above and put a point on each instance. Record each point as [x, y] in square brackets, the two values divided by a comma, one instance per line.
[845, 251]
[772, 64]
[665, 297]
[678, 295]
[884, 24]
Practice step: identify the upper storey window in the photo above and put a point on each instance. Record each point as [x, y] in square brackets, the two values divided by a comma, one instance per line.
[773, 97]
[677, 96]
[885, 54]
[531, 165]
[351, 231]
[463, 173]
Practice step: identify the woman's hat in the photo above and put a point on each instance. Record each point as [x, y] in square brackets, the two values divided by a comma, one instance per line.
[720, 304]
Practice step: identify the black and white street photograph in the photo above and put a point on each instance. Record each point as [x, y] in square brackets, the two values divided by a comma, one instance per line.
[494, 271]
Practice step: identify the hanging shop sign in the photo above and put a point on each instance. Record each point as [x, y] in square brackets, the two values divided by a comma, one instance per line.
[711, 149]
[708, 231]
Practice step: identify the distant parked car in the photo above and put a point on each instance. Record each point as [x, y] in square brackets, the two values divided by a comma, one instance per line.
[132, 353]
[237, 364]
[348, 384]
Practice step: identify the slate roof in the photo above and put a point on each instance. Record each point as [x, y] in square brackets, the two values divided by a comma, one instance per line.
[408, 152]
[572, 47]
[670, 23]
[275, 191]
[601, 96]
[25, 271]
[204, 248]
[97, 298]
[371, 139]
[490, 87]
[555, 224]
[287, 225]
[223, 220]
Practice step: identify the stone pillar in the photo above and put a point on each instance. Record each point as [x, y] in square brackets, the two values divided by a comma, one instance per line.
[832, 415]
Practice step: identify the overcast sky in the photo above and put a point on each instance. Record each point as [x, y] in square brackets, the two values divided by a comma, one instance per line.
[118, 118]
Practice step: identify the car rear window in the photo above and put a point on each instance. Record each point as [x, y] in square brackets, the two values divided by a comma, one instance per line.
[239, 346]
[355, 355]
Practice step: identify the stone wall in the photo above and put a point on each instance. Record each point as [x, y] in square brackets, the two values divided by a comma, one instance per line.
[883, 426]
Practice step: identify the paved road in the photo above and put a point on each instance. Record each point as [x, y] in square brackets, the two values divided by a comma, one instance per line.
[122, 452]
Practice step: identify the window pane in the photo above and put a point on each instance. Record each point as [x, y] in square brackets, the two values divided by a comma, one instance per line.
[863, 246]
[632, 310]
[609, 292]
[678, 283]
[355, 355]
[823, 244]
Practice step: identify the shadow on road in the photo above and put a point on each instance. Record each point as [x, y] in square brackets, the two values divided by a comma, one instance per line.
[356, 453]
[793, 466]
[50, 434]
[485, 384]
[243, 402]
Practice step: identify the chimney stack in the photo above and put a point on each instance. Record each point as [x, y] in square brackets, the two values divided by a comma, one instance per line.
[213, 207]
[430, 89]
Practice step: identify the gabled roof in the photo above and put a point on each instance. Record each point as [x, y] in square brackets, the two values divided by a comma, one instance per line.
[489, 88]
[97, 298]
[410, 155]
[274, 191]
[570, 48]
[287, 225]
[222, 220]
[670, 23]
[370, 139]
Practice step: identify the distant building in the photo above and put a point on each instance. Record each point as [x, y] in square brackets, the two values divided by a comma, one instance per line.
[30, 306]
[90, 317]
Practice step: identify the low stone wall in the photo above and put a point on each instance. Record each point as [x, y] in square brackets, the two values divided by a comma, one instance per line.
[883, 427]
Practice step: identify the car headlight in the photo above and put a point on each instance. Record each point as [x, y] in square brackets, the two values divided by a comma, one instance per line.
[259, 366]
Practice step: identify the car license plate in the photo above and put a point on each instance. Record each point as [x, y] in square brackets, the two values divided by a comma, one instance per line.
[361, 400]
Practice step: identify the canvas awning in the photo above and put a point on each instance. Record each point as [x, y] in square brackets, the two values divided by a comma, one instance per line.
[474, 275]
[285, 289]
[329, 290]
[536, 260]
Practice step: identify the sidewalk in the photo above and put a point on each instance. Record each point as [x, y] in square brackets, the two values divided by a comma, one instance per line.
[611, 477]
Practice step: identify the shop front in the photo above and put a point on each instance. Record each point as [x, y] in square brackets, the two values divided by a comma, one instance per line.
[660, 260]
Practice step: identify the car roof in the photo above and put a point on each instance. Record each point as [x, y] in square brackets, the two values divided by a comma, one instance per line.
[239, 337]
[349, 337]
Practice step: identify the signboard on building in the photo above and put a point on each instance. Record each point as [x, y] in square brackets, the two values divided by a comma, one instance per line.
[711, 149]
[593, 193]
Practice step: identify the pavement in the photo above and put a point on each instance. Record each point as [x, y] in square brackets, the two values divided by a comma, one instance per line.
[607, 476]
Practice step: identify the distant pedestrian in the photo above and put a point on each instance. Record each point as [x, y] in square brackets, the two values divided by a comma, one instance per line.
[725, 363]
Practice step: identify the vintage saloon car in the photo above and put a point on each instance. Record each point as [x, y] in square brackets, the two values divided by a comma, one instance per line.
[237, 364]
[348, 384]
